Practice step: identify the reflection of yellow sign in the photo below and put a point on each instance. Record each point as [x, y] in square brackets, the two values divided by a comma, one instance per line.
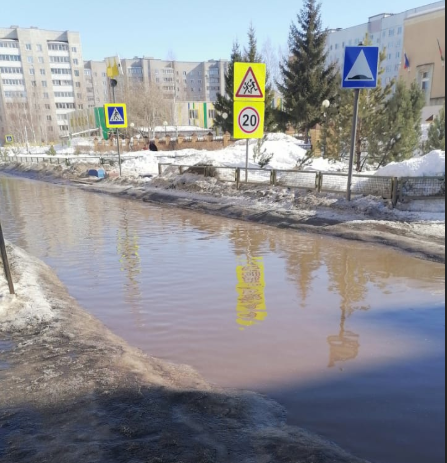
[249, 81]
[249, 120]
[113, 67]
[251, 307]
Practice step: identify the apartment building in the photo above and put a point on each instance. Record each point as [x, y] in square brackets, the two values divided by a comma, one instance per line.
[424, 46]
[97, 83]
[384, 30]
[41, 82]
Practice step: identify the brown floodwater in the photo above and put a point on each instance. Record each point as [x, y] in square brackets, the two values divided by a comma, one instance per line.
[349, 337]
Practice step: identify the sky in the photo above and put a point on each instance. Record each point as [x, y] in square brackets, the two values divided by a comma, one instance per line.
[188, 30]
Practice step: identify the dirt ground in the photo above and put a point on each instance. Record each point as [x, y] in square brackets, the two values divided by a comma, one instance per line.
[72, 391]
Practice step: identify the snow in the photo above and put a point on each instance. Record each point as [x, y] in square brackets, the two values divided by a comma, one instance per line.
[29, 307]
[430, 165]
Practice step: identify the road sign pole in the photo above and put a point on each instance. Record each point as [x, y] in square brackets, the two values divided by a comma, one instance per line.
[353, 143]
[114, 83]
[246, 161]
[6, 261]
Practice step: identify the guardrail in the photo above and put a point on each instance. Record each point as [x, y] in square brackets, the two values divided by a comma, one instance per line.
[36, 159]
[391, 188]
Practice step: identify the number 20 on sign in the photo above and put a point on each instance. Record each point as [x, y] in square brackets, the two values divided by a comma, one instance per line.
[249, 120]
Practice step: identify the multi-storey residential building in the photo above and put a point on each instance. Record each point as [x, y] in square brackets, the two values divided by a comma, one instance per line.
[425, 49]
[41, 82]
[184, 81]
[97, 83]
[385, 31]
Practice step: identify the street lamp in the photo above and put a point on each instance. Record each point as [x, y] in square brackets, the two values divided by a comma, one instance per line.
[165, 123]
[225, 116]
[325, 105]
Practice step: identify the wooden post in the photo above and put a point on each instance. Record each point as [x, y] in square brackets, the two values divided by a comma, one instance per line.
[6, 261]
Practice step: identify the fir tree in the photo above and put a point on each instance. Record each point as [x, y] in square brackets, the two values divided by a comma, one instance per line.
[307, 80]
[400, 126]
[436, 134]
[251, 55]
[224, 104]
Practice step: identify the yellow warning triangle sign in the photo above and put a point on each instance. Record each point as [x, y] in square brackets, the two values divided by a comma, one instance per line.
[250, 87]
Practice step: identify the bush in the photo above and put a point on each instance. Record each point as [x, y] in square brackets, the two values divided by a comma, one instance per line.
[261, 156]
[51, 151]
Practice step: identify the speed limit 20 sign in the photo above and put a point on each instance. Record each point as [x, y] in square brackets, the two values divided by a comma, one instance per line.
[249, 120]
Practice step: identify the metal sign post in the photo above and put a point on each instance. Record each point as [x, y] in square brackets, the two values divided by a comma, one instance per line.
[360, 71]
[113, 84]
[6, 261]
[249, 104]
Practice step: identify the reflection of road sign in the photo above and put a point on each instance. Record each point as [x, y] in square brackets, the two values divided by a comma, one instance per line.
[249, 120]
[251, 306]
[249, 81]
[9, 139]
[361, 67]
[116, 116]
[114, 68]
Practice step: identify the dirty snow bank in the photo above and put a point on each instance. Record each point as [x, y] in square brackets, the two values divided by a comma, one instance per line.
[30, 306]
[430, 165]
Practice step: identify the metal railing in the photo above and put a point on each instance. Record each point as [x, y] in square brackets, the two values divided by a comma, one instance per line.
[390, 188]
[67, 160]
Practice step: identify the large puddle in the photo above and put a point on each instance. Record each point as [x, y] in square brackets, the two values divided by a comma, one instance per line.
[349, 337]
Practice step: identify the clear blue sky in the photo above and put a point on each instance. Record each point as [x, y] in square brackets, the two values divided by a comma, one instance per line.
[190, 29]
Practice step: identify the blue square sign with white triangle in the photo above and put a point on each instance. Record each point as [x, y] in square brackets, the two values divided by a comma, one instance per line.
[361, 69]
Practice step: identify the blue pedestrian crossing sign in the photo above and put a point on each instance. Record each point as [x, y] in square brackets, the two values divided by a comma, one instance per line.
[116, 116]
[9, 139]
[361, 68]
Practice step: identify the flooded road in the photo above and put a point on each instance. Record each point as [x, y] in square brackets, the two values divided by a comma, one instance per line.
[347, 336]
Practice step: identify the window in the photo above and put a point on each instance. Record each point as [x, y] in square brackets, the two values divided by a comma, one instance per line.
[63, 94]
[336, 46]
[63, 128]
[80, 106]
[15, 94]
[62, 117]
[194, 114]
[57, 47]
[65, 106]
[199, 82]
[9, 44]
[398, 55]
[390, 56]
[76, 73]
[13, 82]
[34, 83]
[87, 72]
[46, 96]
[74, 50]
[10, 58]
[61, 71]
[41, 60]
[78, 84]
[392, 32]
[32, 72]
[51, 129]
[212, 114]
[30, 59]
[39, 48]
[44, 84]
[400, 30]
[42, 72]
[397, 68]
[48, 107]
[49, 118]
[59, 59]
[193, 90]
[28, 47]
[388, 69]
[76, 62]
[79, 96]
[135, 71]
[6, 70]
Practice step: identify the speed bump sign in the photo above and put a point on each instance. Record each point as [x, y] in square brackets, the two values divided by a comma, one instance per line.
[9, 139]
[249, 119]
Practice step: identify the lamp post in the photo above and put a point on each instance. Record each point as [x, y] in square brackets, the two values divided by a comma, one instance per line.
[165, 123]
[325, 105]
[225, 117]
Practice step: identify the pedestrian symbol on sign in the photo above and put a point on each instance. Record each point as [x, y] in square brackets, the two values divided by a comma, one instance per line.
[9, 139]
[116, 116]
[250, 87]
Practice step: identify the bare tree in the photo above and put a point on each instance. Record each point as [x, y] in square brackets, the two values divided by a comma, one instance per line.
[271, 58]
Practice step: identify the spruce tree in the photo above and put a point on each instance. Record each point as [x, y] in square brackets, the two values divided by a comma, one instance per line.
[307, 80]
[436, 134]
[400, 126]
[224, 104]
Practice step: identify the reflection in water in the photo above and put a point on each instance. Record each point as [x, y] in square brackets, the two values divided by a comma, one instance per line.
[251, 306]
[343, 347]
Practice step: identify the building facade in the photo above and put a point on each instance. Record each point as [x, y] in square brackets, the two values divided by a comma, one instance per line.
[41, 82]
[385, 31]
[424, 45]
[97, 83]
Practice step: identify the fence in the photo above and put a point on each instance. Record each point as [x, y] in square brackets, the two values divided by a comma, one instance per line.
[67, 160]
[391, 188]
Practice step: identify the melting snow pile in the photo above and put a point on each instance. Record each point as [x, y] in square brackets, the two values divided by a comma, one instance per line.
[431, 165]
[30, 307]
